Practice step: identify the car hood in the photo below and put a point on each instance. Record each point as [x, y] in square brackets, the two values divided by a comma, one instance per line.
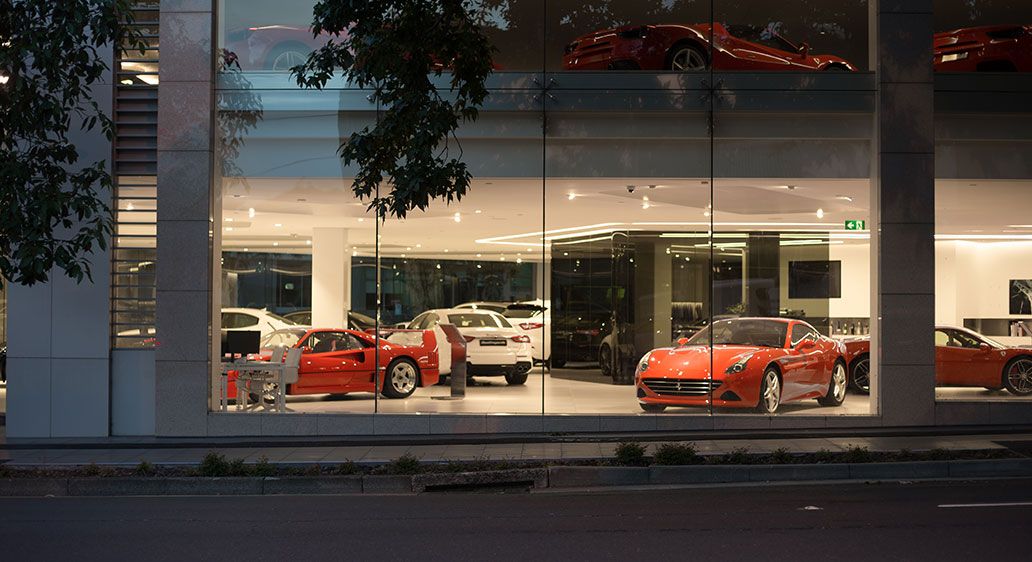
[693, 361]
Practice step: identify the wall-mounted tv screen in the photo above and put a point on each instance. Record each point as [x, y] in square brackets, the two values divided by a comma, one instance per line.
[814, 279]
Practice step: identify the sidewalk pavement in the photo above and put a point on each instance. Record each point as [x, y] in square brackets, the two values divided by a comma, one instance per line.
[284, 453]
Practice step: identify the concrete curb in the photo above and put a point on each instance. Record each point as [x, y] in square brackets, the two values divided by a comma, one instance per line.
[556, 477]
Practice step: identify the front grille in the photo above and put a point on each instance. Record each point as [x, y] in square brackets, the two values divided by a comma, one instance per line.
[681, 387]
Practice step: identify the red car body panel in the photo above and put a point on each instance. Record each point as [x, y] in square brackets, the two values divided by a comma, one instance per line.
[995, 48]
[805, 373]
[635, 47]
[341, 372]
[962, 366]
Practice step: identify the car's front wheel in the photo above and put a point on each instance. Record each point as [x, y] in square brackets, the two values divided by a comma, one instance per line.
[652, 408]
[1017, 376]
[836, 387]
[402, 379]
[860, 377]
[770, 392]
[687, 58]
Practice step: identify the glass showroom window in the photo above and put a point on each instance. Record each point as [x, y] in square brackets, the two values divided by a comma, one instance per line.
[607, 230]
[983, 200]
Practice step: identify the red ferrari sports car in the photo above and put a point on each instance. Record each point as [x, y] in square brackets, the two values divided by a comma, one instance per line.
[996, 48]
[962, 358]
[756, 363]
[342, 361]
[686, 48]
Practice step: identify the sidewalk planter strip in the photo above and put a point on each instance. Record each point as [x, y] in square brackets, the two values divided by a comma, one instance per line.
[877, 471]
[697, 474]
[786, 472]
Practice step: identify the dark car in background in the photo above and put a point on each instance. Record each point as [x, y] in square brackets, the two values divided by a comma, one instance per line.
[577, 332]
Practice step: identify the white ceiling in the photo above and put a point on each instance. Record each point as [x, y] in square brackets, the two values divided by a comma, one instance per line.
[504, 218]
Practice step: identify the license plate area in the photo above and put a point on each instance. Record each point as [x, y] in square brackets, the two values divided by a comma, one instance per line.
[492, 343]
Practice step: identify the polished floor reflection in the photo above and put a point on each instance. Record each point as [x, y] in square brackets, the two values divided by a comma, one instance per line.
[570, 390]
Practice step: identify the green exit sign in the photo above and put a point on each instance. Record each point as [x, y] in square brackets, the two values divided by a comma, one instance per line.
[856, 225]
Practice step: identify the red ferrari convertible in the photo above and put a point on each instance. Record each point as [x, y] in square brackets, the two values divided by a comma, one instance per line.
[686, 48]
[756, 363]
[962, 358]
[342, 361]
[996, 48]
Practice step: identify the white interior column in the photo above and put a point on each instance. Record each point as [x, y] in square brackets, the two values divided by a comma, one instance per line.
[331, 278]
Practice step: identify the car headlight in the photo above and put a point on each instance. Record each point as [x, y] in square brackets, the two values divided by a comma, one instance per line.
[738, 366]
[643, 365]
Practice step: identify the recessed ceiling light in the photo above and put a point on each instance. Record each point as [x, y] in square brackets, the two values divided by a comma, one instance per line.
[446, 250]
[478, 255]
[571, 196]
[478, 211]
[419, 245]
[308, 242]
[229, 219]
[457, 217]
[275, 243]
[250, 212]
[278, 225]
[519, 260]
[229, 229]
[360, 219]
[820, 213]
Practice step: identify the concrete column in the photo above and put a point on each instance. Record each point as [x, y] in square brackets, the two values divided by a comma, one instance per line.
[189, 206]
[903, 216]
[331, 277]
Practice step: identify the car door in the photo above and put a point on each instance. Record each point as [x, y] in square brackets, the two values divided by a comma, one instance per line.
[960, 360]
[757, 49]
[797, 369]
[358, 359]
[326, 361]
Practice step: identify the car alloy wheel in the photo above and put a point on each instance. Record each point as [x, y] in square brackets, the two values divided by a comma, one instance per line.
[862, 374]
[688, 59]
[1019, 376]
[770, 392]
[836, 386]
[288, 59]
[401, 379]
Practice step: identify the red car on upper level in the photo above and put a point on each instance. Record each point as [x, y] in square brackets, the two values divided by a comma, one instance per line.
[756, 363]
[993, 48]
[335, 361]
[686, 48]
[962, 358]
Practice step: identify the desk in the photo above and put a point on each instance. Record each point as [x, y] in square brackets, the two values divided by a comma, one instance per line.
[261, 372]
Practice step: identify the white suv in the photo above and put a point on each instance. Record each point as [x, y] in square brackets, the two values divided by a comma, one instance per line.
[494, 347]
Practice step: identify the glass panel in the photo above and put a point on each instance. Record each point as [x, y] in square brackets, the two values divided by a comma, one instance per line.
[983, 201]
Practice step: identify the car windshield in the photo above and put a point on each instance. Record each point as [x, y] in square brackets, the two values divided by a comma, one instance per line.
[756, 332]
[472, 320]
[286, 338]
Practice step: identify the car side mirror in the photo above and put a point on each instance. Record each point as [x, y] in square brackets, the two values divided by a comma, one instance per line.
[804, 49]
[805, 344]
[984, 347]
[306, 349]
[682, 341]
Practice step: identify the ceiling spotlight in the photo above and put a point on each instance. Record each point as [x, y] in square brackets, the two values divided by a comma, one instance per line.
[706, 214]
[645, 204]
[247, 249]
[275, 243]
[229, 219]
[408, 249]
[308, 242]
[360, 219]
[278, 225]
[571, 196]
[501, 258]
[519, 260]
[419, 245]
[478, 211]
[458, 217]
[250, 212]
[478, 255]
[229, 229]
[820, 213]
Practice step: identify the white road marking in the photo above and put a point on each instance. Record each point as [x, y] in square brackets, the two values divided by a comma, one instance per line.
[1007, 504]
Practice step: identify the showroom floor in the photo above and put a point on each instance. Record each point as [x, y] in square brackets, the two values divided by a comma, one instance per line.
[570, 390]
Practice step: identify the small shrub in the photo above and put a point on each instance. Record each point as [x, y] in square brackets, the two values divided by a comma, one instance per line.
[347, 468]
[263, 468]
[213, 464]
[144, 469]
[781, 456]
[823, 456]
[673, 454]
[738, 455]
[630, 453]
[405, 464]
[91, 470]
[857, 454]
[236, 467]
[313, 470]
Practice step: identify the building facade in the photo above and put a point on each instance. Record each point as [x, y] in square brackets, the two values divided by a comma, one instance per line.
[689, 216]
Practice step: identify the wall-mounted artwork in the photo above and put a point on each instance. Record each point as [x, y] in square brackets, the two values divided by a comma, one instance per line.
[1021, 296]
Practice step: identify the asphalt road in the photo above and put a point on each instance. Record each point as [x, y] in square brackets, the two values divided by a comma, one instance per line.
[813, 522]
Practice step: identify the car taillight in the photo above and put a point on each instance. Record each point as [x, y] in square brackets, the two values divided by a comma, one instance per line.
[469, 338]
[531, 325]
[521, 339]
